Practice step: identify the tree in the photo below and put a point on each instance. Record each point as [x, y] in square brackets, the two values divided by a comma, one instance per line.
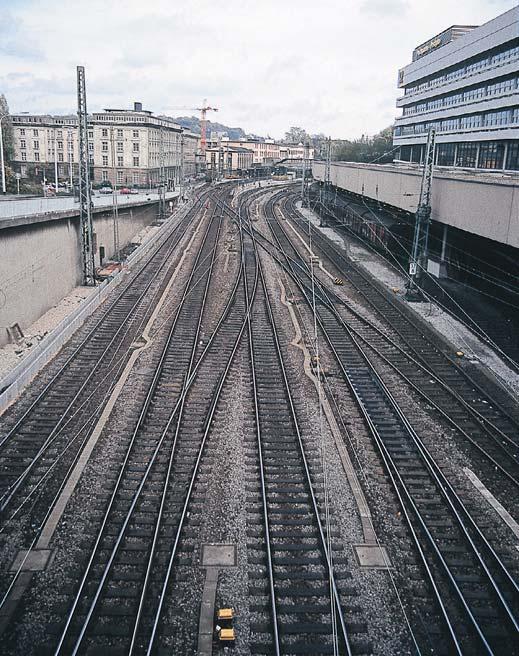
[367, 149]
[296, 135]
[7, 129]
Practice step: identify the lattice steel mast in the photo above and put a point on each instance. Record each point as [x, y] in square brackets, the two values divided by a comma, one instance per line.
[325, 187]
[162, 178]
[85, 200]
[418, 259]
[181, 181]
[304, 186]
[115, 205]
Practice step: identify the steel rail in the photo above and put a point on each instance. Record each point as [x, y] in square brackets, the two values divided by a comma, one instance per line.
[123, 328]
[442, 484]
[93, 331]
[266, 524]
[167, 478]
[214, 402]
[142, 416]
[308, 477]
[483, 422]
[329, 246]
[466, 320]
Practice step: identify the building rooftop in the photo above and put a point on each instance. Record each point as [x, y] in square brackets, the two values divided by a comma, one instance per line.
[442, 39]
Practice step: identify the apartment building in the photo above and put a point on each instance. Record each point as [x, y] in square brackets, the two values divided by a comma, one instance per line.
[226, 160]
[265, 152]
[125, 147]
[190, 150]
[464, 82]
[43, 143]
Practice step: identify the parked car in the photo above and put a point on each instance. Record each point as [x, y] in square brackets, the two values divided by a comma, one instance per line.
[134, 191]
[124, 190]
[105, 190]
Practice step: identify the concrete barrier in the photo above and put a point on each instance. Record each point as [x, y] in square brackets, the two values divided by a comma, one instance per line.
[15, 381]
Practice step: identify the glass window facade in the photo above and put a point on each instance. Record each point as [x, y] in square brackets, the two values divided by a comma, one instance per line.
[467, 155]
[504, 86]
[416, 154]
[504, 55]
[471, 121]
[482, 155]
[512, 159]
[491, 155]
[405, 153]
[445, 153]
[490, 140]
[498, 118]
[450, 124]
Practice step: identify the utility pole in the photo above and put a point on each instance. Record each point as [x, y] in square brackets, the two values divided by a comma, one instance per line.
[70, 158]
[85, 200]
[4, 191]
[181, 185]
[220, 163]
[418, 259]
[327, 182]
[304, 186]
[55, 163]
[328, 165]
[303, 180]
[115, 206]
[162, 192]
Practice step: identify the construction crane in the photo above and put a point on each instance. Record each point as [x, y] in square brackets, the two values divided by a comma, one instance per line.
[203, 123]
[203, 120]
[418, 259]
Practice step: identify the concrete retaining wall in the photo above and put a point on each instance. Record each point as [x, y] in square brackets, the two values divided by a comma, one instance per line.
[40, 263]
[485, 205]
[20, 376]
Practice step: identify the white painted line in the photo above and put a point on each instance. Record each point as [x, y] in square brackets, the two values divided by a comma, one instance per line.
[490, 498]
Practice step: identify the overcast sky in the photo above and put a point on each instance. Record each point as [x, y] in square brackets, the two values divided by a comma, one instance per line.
[326, 65]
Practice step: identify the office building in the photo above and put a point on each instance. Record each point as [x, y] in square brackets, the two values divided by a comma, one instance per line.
[464, 83]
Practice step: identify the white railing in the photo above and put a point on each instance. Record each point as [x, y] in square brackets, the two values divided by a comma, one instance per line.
[13, 209]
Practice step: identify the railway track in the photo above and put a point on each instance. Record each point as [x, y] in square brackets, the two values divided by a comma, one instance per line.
[48, 427]
[432, 375]
[475, 590]
[127, 582]
[135, 588]
[299, 594]
[472, 385]
[499, 335]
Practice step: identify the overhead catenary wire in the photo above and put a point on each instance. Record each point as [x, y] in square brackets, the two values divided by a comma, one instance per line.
[310, 339]
[324, 464]
[401, 270]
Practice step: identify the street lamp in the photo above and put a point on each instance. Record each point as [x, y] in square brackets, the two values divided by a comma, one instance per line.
[2, 154]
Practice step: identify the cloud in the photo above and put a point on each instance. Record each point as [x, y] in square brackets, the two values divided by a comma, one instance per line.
[15, 40]
[385, 8]
[329, 67]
